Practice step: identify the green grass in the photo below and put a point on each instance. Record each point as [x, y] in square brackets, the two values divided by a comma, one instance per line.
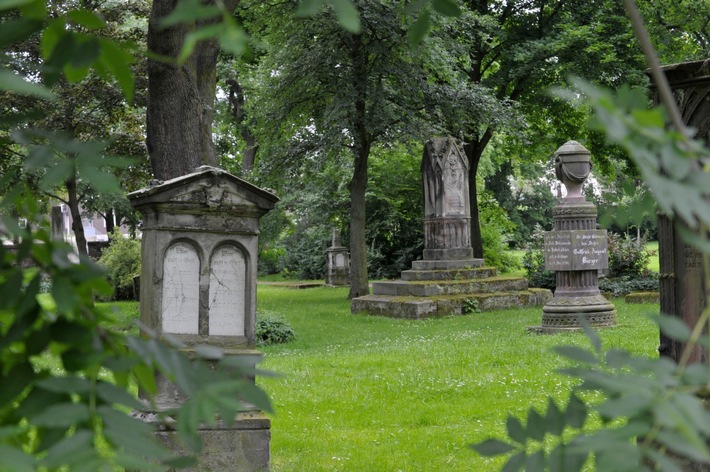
[370, 393]
[364, 393]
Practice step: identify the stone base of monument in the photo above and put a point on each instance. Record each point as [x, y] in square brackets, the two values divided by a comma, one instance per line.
[564, 314]
[243, 446]
[440, 288]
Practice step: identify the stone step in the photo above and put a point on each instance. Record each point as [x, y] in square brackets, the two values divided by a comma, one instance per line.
[461, 304]
[449, 274]
[449, 287]
[443, 265]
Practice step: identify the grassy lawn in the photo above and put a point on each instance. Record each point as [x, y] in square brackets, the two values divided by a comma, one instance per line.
[364, 393]
[361, 393]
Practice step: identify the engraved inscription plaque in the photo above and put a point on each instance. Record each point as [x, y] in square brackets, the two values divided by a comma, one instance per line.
[227, 288]
[576, 250]
[181, 290]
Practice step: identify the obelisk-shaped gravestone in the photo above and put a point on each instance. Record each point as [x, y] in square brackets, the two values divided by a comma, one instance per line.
[447, 212]
[198, 284]
[576, 250]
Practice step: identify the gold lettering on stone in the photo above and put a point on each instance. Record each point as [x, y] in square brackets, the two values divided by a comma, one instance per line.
[226, 294]
[181, 290]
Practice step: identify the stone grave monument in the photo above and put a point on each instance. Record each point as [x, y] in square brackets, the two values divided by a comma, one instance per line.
[682, 272]
[337, 265]
[198, 284]
[576, 250]
[449, 280]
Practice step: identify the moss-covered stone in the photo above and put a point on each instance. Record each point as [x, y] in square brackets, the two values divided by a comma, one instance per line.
[642, 297]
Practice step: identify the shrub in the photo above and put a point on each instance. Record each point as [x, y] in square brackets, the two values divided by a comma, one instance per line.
[534, 262]
[620, 286]
[627, 257]
[496, 229]
[271, 260]
[122, 261]
[273, 330]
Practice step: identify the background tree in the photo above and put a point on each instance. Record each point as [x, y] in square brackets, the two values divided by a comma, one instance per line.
[519, 49]
[332, 91]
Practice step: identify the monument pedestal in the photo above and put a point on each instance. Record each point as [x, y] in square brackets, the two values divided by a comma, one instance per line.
[576, 250]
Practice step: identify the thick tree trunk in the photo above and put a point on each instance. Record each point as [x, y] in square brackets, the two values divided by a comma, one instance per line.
[474, 149]
[359, 285]
[76, 224]
[180, 97]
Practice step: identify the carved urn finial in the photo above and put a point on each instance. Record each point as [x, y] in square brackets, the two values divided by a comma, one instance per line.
[572, 166]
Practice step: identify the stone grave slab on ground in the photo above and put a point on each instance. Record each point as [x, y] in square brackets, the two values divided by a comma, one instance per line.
[198, 284]
[449, 280]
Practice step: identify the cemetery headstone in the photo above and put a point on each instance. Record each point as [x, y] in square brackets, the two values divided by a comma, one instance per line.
[447, 212]
[682, 273]
[337, 267]
[198, 284]
[576, 250]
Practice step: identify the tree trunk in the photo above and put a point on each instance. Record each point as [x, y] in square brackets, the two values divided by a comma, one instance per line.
[359, 285]
[76, 224]
[180, 97]
[474, 149]
[236, 101]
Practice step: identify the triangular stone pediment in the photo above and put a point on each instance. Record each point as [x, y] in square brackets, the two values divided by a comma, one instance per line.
[207, 187]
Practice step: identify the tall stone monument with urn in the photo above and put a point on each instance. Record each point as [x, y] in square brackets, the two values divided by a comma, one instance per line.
[198, 284]
[576, 250]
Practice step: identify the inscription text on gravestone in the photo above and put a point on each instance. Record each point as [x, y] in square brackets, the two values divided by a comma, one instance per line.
[181, 290]
[576, 250]
[227, 288]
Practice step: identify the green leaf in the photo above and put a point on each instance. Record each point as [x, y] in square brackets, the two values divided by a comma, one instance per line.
[70, 450]
[117, 60]
[515, 429]
[693, 449]
[62, 415]
[194, 37]
[535, 462]
[576, 412]
[535, 425]
[619, 457]
[420, 28]
[664, 463]
[189, 11]
[577, 354]
[11, 290]
[347, 15]
[15, 382]
[309, 7]
[674, 327]
[554, 419]
[446, 7]
[69, 384]
[85, 54]
[12, 31]
[630, 405]
[515, 463]
[64, 295]
[87, 19]
[492, 447]
[146, 378]
[16, 460]
[206, 351]
[112, 394]
[10, 4]
[11, 82]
